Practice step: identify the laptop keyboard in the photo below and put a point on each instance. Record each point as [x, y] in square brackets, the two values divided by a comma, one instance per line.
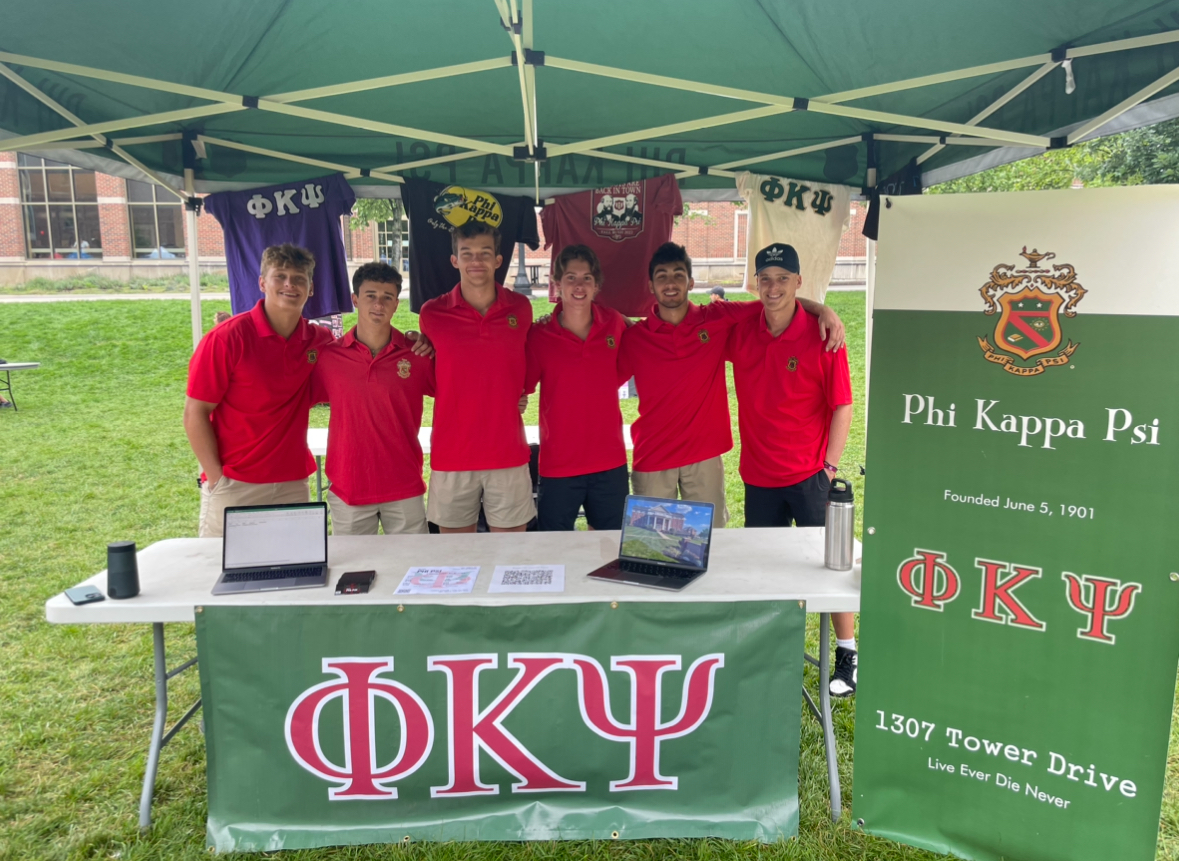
[647, 568]
[258, 576]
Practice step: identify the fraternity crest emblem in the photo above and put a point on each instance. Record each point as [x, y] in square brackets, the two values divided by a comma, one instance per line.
[312, 355]
[703, 335]
[616, 213]
[403, 369]
[610, 341]
[459, 205]
[792, 365]
[512, 321]
[1029, 303]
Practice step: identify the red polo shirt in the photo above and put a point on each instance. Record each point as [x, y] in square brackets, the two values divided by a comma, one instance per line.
[580, 422]
[260, 383]
[373, 451]
[680, 375]
[480, 368]
[787, 389]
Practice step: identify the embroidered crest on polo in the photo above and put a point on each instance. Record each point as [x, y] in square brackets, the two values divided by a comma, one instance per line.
[312, 355]
[792, 365]
[512, 321]
[403, 367]
[1030, 301]
[610, 341]
[703, 334]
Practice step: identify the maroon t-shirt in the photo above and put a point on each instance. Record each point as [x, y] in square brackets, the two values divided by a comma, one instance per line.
[623, 224]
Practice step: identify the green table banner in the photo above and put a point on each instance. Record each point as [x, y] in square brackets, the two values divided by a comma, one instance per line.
[329, 725]
[1020, 606]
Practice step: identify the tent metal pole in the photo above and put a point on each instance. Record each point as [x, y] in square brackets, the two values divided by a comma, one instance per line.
[926, 123]
[994, 106]
[530, 70]
[427, 162]
[119, 125]
[383, 128]
[787, 153]
[194, 267]
[147, 139]
[1124, 105]
[687, 169]
[392, 80]
[672, 129]
[352, 172]
[869, 298]
[119, 78]
[50, 103]
[510, 19]
[956, 140]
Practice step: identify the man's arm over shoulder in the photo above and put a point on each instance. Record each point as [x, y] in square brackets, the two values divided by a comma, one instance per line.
[830, 326]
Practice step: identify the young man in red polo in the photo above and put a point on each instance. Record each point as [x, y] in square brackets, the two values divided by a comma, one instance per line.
[375, 385]
[794, 402]
[677, 357]
[248, 395]
[573, 355]
[478, 452]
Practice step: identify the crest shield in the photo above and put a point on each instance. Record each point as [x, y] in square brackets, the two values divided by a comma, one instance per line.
[1029, 322]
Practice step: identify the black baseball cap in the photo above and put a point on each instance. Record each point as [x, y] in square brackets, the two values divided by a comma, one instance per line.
[778, 254]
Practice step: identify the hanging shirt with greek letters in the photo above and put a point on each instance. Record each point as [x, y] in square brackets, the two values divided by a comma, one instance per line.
[811, 216]
[305, 213]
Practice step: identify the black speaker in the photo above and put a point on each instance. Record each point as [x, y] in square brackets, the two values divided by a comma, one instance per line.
[122, 570]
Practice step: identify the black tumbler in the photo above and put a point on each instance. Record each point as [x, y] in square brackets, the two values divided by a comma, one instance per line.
[122, 570]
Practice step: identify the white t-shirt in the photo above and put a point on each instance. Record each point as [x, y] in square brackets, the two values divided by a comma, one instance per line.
[811, 216]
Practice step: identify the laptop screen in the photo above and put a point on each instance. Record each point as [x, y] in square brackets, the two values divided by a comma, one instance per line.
[667, 530]
[282, 535]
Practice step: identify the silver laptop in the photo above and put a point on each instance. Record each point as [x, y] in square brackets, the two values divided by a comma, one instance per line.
[270, 547]
[664, 543]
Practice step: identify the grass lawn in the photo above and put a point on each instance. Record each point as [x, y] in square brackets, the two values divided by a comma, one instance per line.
[97, 453]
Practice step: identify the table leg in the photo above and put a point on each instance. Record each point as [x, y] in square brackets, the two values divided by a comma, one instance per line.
[825, 706]
[318, 478]
[8, 388]
[159, 738]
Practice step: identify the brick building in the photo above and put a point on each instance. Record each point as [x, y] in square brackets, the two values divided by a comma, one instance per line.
[58, 221]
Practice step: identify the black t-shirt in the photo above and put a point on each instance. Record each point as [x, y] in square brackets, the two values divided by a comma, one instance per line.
[433, 208]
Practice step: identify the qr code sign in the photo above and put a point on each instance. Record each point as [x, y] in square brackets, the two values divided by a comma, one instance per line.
[527, 577]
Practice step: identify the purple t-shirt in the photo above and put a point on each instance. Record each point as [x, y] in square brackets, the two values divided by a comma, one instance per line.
[303, 213]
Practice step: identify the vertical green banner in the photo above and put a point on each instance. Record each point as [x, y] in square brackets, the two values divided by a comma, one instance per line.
[367, 724]
[1021, 532]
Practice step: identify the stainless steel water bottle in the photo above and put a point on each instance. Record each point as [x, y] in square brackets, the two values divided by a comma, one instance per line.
[841, 526]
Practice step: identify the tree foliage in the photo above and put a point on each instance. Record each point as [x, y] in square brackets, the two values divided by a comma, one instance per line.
[370, 209]
[1146, 155]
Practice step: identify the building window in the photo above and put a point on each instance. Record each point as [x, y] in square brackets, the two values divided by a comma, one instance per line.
[157, 221]
[60, 206]
[393, 241]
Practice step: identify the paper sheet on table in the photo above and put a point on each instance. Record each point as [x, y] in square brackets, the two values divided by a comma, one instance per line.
[528, 578]
[443, 580]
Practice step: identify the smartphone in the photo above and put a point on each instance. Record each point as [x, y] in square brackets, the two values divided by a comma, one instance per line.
[84, 594]
[355, 582]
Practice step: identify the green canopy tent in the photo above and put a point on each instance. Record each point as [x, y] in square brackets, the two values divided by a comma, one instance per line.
[555, 95]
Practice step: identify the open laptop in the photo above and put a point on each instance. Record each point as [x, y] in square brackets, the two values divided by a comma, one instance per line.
[664, 543]
[270, 547]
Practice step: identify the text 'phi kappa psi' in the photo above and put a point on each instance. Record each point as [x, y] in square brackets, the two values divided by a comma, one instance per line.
[359, 682]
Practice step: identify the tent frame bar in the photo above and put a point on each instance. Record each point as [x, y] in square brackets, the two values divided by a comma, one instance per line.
[519, 24]
[350, 172]
[995, 105]
[1124, 105]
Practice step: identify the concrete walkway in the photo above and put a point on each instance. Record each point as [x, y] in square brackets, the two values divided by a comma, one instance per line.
[102, 297]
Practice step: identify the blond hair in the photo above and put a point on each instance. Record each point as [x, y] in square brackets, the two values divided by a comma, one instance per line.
[287, 255]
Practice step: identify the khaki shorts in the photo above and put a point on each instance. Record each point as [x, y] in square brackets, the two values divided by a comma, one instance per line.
[230, 492]
[506, 495]
[403, 516]
[697, 482]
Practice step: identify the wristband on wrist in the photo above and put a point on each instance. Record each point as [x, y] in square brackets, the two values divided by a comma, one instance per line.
[830, 466]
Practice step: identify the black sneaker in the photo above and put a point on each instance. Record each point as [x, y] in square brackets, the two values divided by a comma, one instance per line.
[843, 679]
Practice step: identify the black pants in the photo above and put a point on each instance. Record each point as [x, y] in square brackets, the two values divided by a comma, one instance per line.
[602, 493]
[802, 504]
